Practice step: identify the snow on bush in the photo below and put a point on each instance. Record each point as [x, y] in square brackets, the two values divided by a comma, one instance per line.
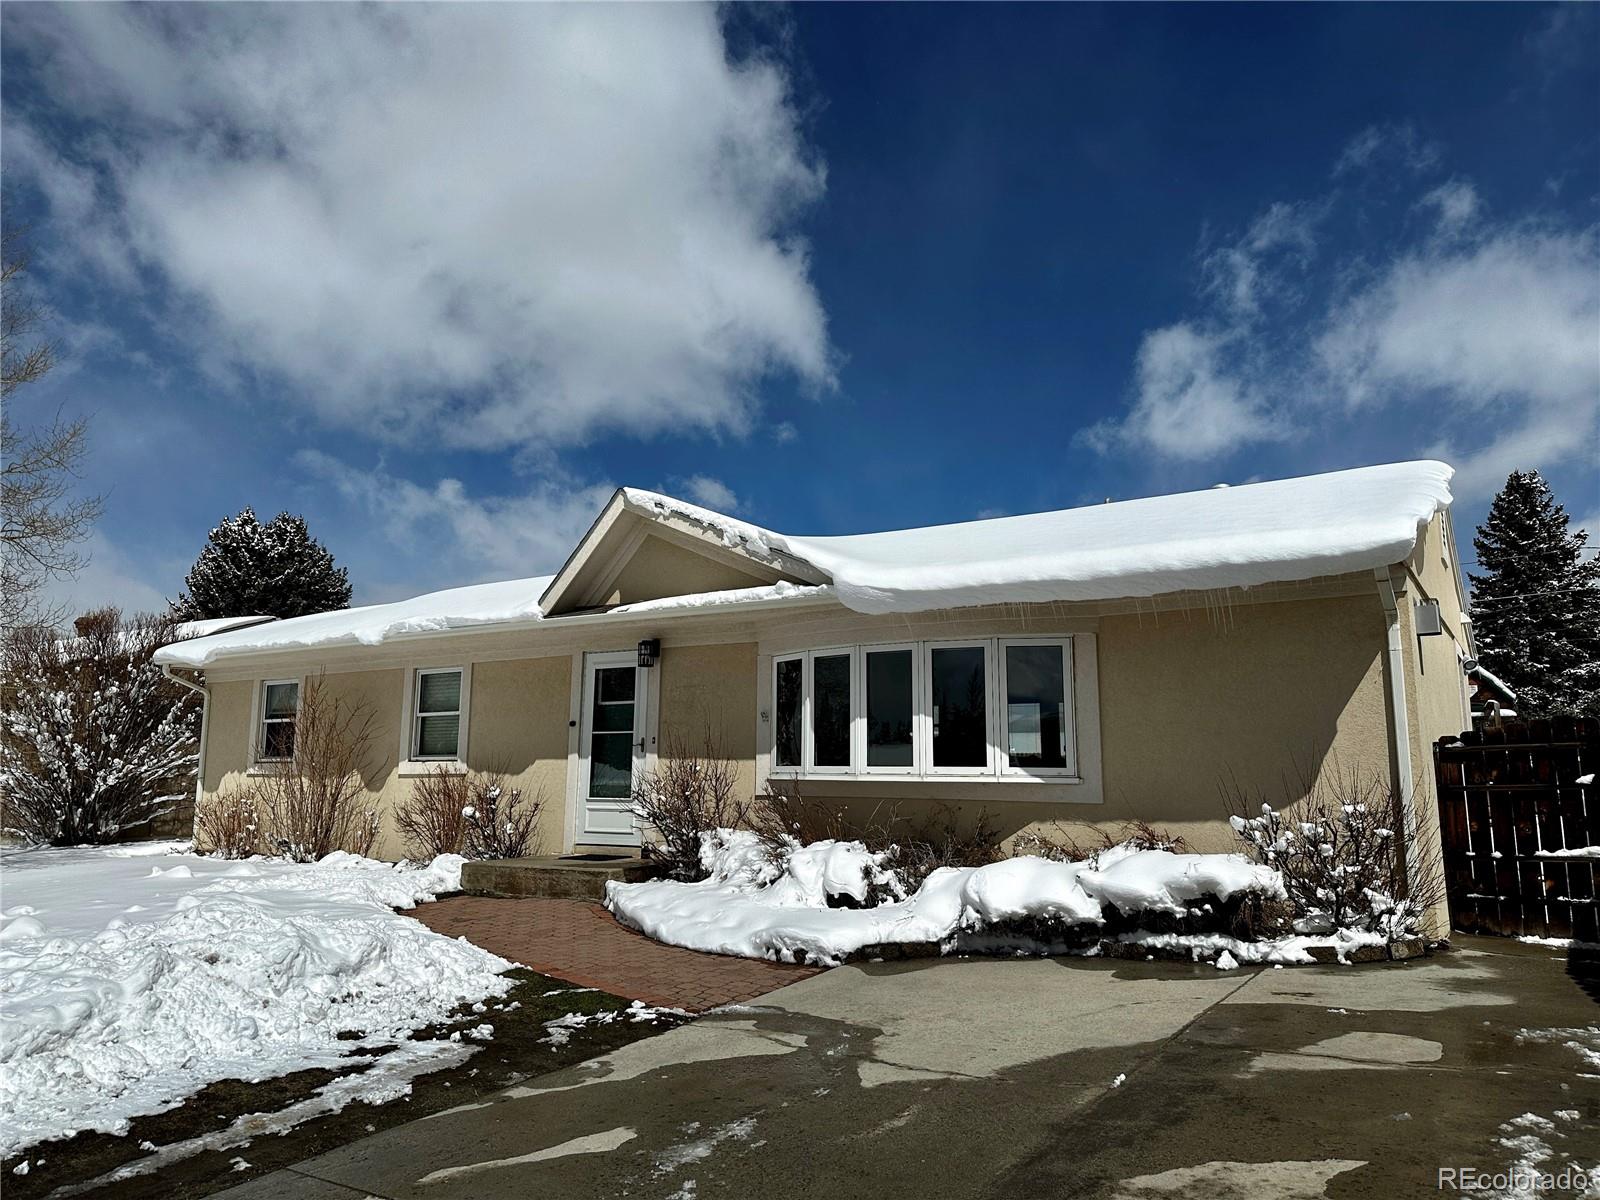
[131, 977]
[755, 907]
[94, 740]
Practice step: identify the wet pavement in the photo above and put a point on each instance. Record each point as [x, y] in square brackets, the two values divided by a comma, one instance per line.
[1053, 1077]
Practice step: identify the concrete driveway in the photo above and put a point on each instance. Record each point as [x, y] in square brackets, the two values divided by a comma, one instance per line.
[1054, 1077]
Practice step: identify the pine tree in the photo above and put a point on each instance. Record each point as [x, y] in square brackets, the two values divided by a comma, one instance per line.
[249, 569]
[1536, 607]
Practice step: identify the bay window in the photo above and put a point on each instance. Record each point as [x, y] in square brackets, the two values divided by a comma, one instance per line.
[996, 707]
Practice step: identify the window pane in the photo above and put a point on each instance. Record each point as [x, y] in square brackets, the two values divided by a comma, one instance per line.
[1036, 734]
[614, 685]
[439, 692]
[281, 699]
[611, 765]
[830, 698]
[613, 717]
[786, 734]
[277, 739]
[960, 729]
[889, 708]
[438, 736]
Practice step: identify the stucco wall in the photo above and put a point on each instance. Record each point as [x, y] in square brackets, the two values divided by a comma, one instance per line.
[711, 690]
[659, 568]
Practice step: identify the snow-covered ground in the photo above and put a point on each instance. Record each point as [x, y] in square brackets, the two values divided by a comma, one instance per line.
[133, 976]
[755, 908]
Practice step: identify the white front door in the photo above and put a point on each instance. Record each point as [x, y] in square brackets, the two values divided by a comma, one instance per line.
[611, 750]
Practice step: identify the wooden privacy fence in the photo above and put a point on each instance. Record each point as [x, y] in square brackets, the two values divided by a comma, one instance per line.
[1520, 833]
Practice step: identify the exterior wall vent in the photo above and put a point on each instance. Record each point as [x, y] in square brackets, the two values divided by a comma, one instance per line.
[1429, 622]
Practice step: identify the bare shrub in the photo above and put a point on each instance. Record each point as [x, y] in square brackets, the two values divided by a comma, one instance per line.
[501, 822]
[1340, 853]
[431, 820]
[1057, 842]
[315, 803]
[917, 845]
[94, 740]
[228, 825]
[691, 791]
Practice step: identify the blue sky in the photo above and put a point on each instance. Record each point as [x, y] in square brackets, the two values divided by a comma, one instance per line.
[439, 278]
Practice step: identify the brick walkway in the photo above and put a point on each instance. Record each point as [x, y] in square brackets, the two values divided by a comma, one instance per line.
[580, 941]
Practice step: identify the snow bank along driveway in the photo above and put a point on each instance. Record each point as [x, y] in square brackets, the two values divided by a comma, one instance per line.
[131, 977]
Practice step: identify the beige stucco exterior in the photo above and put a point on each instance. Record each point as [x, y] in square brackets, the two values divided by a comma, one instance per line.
[1179, 702]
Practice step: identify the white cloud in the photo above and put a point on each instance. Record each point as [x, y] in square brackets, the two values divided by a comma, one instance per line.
[1484, 330]
[1455, 204]
[109, 578]
[450, 537]
[710, 493]
[784, 432]
[500, 225]
[1386, 145]
[1191, 402]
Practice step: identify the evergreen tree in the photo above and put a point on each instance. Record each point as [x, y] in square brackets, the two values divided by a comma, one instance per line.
[249, 569]
[1536, 607]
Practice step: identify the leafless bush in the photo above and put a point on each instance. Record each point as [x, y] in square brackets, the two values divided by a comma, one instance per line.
[1057, 842]
[917, 845]
[315, 803]
[1340, 853]
[691, 791]
[228, 825]
[500, 822]
[430, 820]
[94, 740]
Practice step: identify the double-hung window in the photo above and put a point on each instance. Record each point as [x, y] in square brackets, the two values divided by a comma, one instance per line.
[436, 723]
[280, 705]
[997, 707]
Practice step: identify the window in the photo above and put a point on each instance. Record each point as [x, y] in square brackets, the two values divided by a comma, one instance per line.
[436, 731]
[995, 706]
[611, 733]
[958, 709]
[280, 704]
[890, 708]
[789, 681]
[1038, 733]
[831, 715]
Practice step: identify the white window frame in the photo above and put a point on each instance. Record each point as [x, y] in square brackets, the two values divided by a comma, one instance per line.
[924, 706]
[417, 714]
[259, 754]
[997, 767]
[918, 742]
[808, 711]
[791, 770]
[410, 721]
[1069, 715]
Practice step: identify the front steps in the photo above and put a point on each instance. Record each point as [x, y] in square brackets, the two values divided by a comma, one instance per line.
[556, 877]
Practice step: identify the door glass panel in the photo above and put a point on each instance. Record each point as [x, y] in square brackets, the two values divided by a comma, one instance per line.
[611, 766]
[786, 734]
[830, 698]
[1036, 733]
[889, 708]
[611, 734]
[960, 714]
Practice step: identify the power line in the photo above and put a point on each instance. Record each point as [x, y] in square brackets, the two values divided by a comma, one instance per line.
[1573, 591]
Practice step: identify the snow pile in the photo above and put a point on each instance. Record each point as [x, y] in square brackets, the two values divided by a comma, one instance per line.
[131, 977]
[755, 909]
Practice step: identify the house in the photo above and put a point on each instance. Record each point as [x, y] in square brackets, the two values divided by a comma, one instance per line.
[1099, 664]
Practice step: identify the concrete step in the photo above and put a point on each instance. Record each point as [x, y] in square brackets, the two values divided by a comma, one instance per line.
[557, 877]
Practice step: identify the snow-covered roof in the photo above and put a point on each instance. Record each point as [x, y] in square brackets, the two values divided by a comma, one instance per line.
[1230, 537]
[436, 612]
[1287, 529]
[211, 625]
[1494, 681]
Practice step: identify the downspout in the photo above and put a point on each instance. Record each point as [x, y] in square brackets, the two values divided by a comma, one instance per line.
[1400, 723]
[205, 718]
